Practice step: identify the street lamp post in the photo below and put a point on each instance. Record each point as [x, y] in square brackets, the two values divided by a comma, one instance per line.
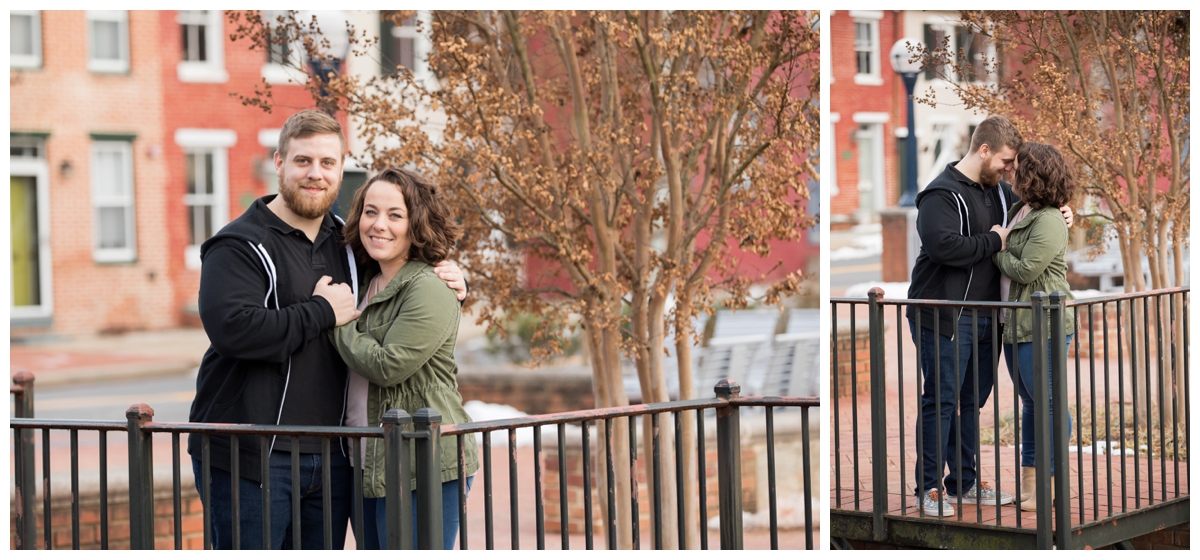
[908, 69]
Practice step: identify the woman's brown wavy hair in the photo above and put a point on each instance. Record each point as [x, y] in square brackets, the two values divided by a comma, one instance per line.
[432, 229]
[1043, 176]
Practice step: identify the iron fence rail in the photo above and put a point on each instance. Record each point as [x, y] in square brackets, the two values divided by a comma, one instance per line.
[418, 436]
[1156, 416]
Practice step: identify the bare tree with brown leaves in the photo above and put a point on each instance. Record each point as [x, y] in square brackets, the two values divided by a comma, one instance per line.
[632, 155]
[1112, 91]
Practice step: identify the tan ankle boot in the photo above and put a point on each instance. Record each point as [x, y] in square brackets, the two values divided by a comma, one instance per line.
[1028, 481]
[1031, 503]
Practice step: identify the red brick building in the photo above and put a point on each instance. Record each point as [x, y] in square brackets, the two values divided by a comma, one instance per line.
[127, 152]
[867, 110]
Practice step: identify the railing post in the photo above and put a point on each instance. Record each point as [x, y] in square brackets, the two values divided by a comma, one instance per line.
[1062, 433]
[1041, 423]
[141, 478]
[26, 478]
[879, 475]
[395, 449]
[729, 466]
[428, 424]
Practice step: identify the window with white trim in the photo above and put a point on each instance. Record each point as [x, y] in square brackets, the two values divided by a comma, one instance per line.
[980, 52]
[404, 46]
[284, 60]
[866, 48]
[108, 40]
[206, 173]
[203, 54]
[939, 36]
[831, 171]
[114, 232]
[25, 39]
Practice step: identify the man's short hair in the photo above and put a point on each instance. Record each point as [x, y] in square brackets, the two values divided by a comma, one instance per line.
[309, 123]
[996, 131]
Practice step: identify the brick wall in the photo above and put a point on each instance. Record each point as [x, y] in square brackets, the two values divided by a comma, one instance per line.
[575, 506]
[847, 98]
[1178, 537]
[64, 99]
[68, 102]
[853, 369]
[788, 476]
[540, 391]
[1089, 331]
[1170, 538]
[118, 521]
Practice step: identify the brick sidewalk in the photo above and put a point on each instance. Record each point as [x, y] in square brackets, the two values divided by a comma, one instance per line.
[850, 444]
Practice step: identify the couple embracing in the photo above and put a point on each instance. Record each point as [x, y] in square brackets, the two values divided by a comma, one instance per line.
[984, 240]
[317, 322]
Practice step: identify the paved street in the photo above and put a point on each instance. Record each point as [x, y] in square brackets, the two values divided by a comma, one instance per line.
[845, 273]
[169, 395]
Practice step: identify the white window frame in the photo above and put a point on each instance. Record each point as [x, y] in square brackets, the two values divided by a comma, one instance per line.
[878, 186]
[106, 65]
[831, 169]
[213, 69]
[276, 73]
[268, 138]
[217, 142]
[34, 59]
[123, 200]
[988, 53]
[950, 29]
[37, 168]
[422, 45]
[871, 19]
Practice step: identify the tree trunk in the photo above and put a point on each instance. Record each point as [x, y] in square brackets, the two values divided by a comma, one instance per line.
[1138, 324]
[1178, 342]
[691, 504]
[603, 372]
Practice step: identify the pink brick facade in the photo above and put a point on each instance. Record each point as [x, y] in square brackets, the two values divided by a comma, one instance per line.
[867, 101]
[68, 105]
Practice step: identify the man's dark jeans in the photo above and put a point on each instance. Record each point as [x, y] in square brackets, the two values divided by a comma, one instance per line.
[312, 532]
[942, 376]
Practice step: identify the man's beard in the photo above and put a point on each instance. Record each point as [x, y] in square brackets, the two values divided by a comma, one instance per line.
[990, 177]
[303, 205]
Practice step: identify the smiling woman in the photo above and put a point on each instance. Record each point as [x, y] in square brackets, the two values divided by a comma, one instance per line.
[401, 349]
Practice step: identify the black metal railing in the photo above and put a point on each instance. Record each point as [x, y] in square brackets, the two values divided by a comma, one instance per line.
[404, 436]
[1151, 427]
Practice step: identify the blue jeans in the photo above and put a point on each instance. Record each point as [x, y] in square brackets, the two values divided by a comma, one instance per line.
[957, 446]
[375, 518]
[312, 532]
[1022, 376]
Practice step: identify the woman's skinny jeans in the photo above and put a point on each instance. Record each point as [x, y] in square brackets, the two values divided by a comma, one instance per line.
[1019, 358]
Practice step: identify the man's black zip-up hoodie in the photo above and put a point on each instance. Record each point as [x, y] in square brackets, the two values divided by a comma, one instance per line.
[269, 361]
[954, 219]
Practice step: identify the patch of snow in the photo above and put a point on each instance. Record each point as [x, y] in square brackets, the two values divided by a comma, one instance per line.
[864, 246]
[482, 412]
[790, 515]
[1102, 448]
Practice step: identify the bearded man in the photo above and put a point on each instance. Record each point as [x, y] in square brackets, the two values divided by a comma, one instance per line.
[272, 282]
[961, 219]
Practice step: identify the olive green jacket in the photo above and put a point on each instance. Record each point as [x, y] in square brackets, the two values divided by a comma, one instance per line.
[1034, 261]
[403, 344]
